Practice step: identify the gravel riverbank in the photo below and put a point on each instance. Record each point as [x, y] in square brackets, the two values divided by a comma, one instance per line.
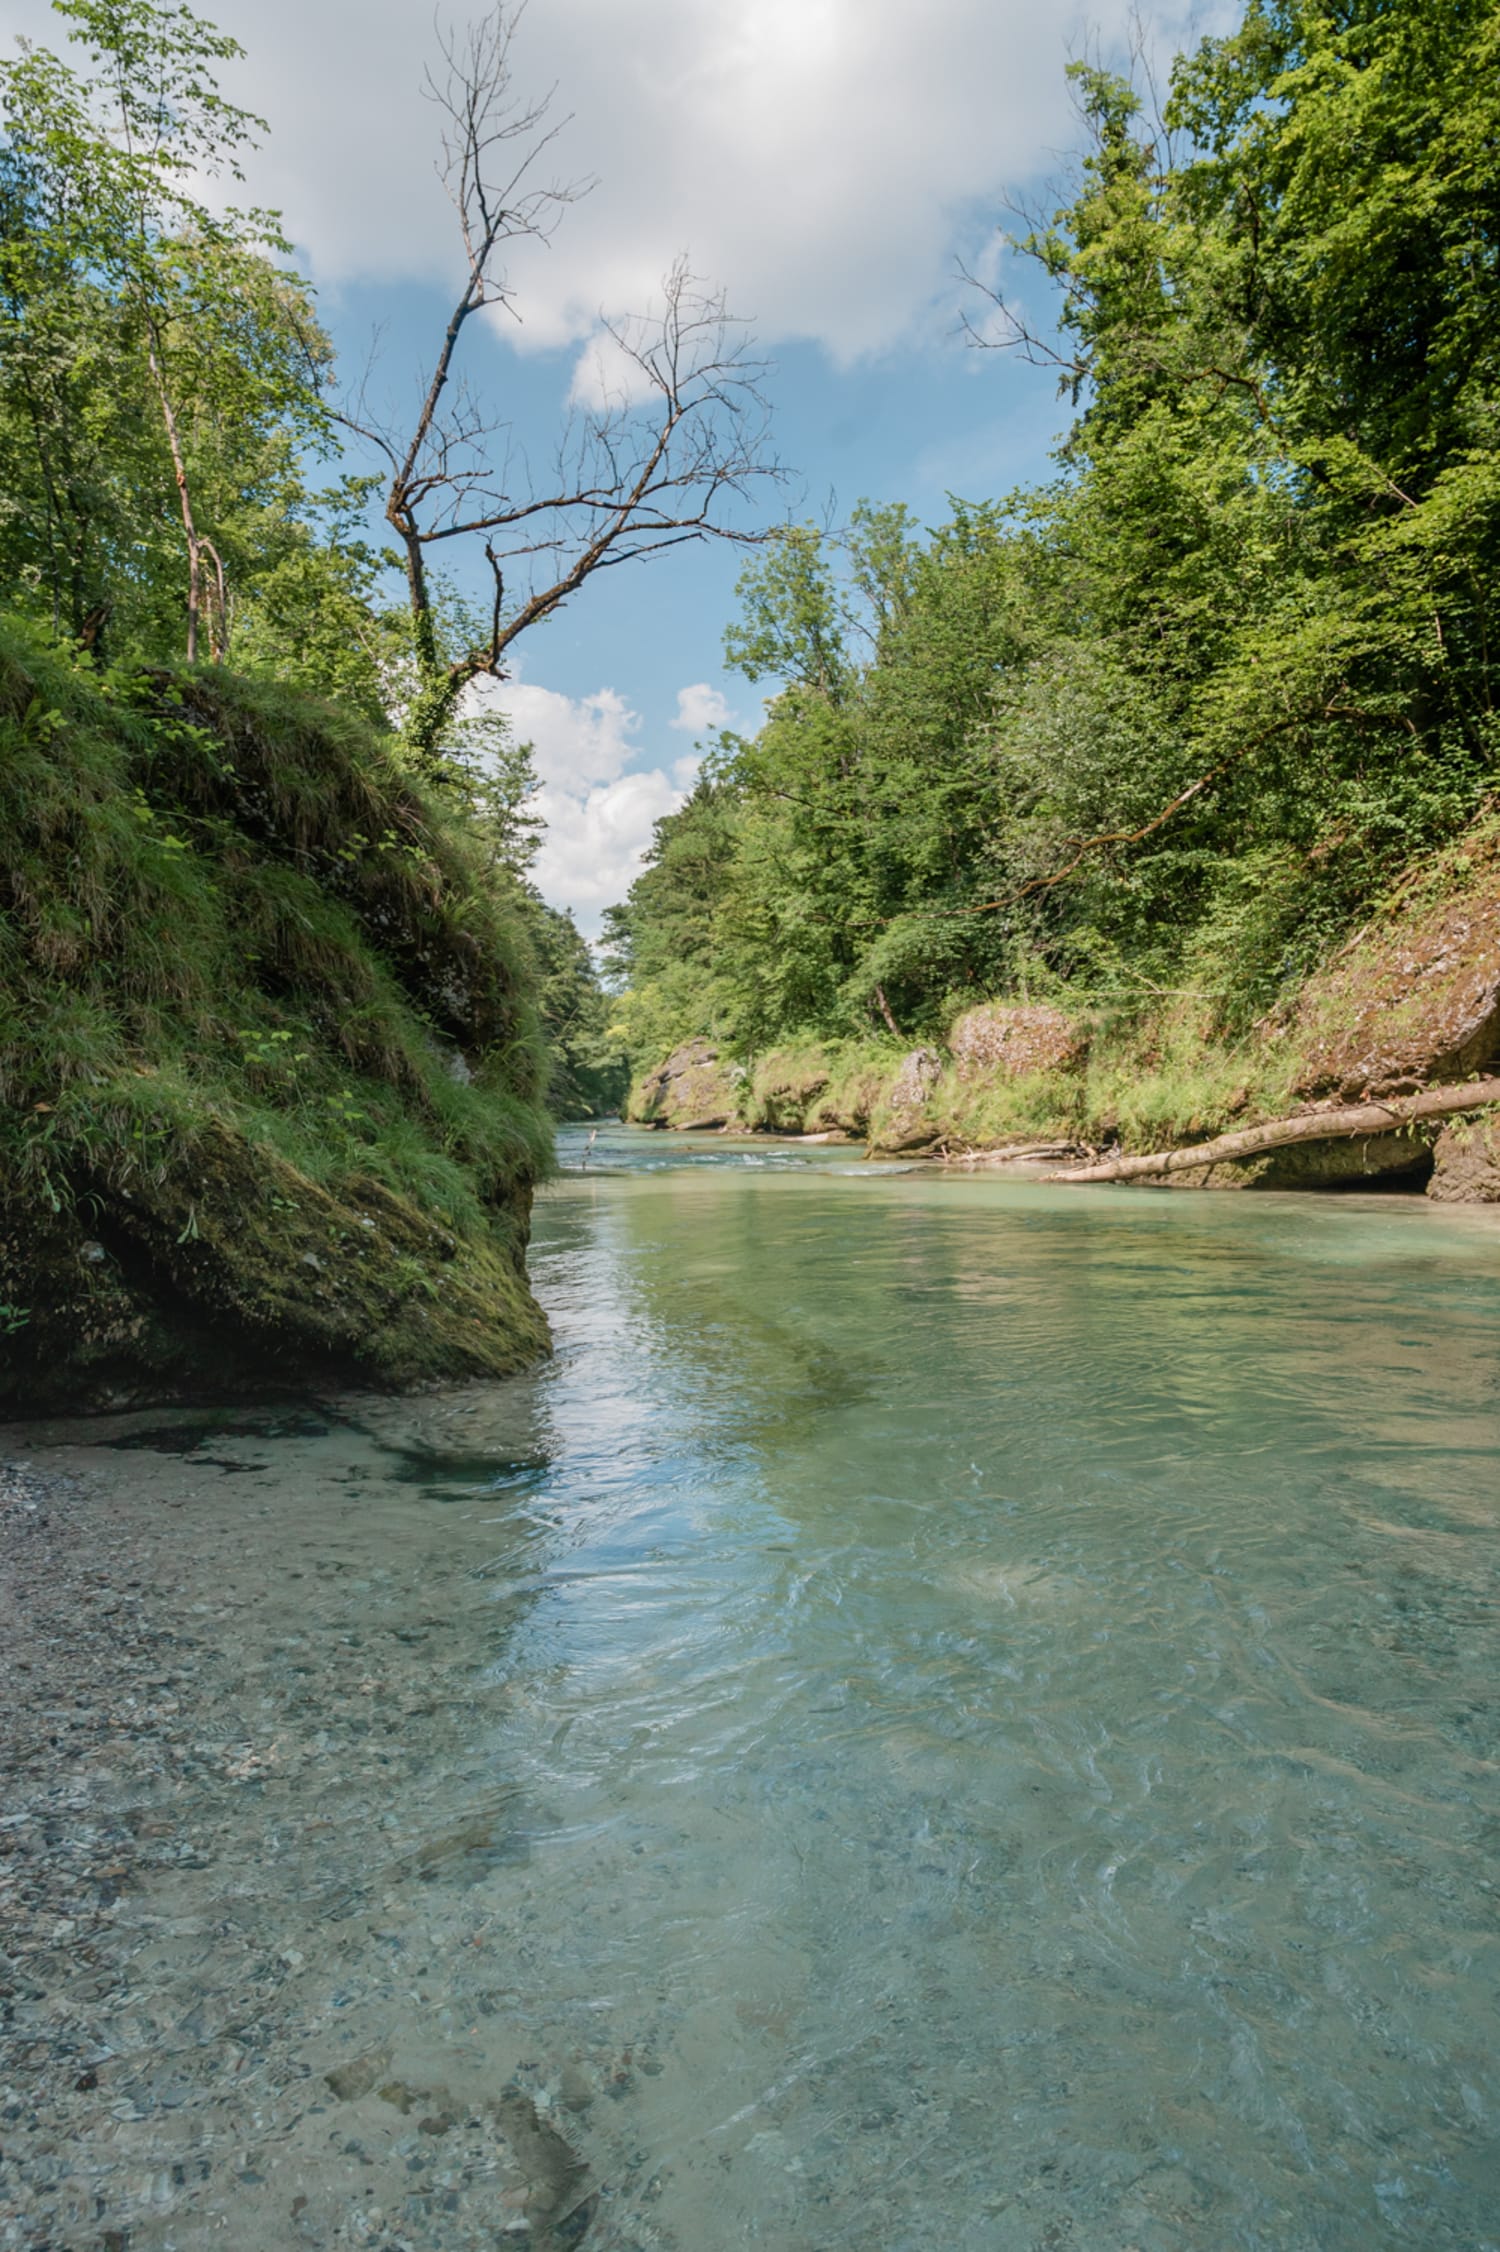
[91, 1736]
[224, 1891]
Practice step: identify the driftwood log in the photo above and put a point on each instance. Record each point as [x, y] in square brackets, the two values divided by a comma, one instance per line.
[1307, 1126]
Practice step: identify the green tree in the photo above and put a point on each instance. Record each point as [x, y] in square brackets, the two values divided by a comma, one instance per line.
[589, 1072]
[1175, 718]
[104, 171]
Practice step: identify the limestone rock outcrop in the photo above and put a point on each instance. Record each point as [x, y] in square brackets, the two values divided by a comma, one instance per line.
[1414, 1002]
[694, 1091]
[1009, 1039]
[904, 1120]
[786, 1085]
[1387, 1160]
[1466, 1163]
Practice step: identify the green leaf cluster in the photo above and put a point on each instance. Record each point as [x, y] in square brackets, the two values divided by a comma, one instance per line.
[162, 399]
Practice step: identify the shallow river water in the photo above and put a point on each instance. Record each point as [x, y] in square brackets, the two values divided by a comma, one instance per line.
[955, 1716]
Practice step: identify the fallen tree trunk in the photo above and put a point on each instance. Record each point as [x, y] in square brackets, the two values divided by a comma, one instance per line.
[1307, 1126]
[1026, 1153]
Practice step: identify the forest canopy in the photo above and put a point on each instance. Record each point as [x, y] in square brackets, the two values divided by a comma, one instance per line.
[1173, 719]
[178, 483]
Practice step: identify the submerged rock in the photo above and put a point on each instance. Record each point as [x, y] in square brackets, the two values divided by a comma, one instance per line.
[693, 1091]
[351, 2081]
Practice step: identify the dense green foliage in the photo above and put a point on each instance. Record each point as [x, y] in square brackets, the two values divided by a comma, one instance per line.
[162, 427]
[1170, 723]
[588, 1073]
[270, 1066]
[158, 399]
[220, 899]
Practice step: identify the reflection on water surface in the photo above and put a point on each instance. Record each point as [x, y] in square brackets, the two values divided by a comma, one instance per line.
[953, 1715]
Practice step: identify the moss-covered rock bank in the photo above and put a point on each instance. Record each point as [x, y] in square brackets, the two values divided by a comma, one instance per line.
[268, 1060]
[694, 1089]
[1411, 1001]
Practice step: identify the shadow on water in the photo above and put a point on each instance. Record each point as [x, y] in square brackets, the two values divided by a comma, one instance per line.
[463, 1477]
[440, 1473]
[188, 1429]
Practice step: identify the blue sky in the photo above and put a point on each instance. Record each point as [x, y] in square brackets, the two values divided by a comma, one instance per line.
[827, 162]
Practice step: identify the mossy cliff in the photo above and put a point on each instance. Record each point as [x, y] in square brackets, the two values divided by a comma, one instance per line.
[268, 1060]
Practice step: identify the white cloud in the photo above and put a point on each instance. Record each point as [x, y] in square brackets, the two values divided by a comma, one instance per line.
[817, 158]
[596, 838]
[607, 377]
[578, 740]
[700, 709]
[599, 816]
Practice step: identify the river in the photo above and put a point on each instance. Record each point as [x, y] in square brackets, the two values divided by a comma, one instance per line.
[954, 1716]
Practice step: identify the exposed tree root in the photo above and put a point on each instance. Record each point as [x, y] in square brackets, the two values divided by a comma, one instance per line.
[1306, 1126]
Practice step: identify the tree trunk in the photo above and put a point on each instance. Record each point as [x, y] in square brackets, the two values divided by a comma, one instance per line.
[218, 616]
[430, 713]
[1282, 1133]
[884, 1007]
[184, 493]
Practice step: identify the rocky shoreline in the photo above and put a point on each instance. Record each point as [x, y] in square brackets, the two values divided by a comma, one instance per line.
[90, 1730]
[207, 1767]
[1408, 1008]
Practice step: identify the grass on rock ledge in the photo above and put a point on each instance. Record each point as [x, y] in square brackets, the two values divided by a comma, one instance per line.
[271, 1074]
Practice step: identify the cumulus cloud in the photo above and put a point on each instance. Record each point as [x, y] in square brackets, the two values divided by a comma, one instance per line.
[700, 709]
[596, 838]
[608, 378]
[815, 157]
[579, 740]
[599, 816]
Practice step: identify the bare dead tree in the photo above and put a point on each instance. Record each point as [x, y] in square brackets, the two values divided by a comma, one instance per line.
[674, 443]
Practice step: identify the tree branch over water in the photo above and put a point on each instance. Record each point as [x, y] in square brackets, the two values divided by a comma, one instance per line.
[1306, 1126]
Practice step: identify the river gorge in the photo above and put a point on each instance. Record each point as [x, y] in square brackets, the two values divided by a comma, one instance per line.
[953, 1712]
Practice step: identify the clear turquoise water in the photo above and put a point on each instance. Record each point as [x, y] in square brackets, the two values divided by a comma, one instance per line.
[979, 1703]
[1047, 1643]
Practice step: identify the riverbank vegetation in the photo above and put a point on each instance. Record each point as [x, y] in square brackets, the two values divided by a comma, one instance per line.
[282, 1014]
[1149, 744]
[271, 1068]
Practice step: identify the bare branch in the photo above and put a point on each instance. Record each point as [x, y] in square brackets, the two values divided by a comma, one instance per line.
[670, 447]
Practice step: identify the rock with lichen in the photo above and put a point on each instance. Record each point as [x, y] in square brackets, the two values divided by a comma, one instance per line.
[695, 1090]
[903, 1120]
[1466, 1162]
[1009, 1039]
[1413, 1001]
